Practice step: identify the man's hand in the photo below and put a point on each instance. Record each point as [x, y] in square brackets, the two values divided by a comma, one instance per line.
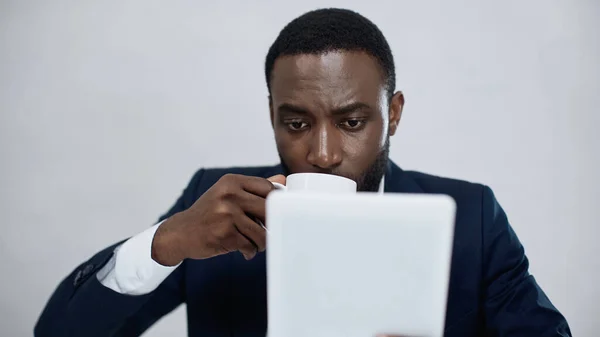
[219, 222]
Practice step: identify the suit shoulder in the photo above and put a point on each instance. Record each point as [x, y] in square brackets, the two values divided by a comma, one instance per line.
[458, 189]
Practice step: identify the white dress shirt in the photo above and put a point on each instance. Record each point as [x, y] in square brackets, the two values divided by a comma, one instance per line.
[132, 271]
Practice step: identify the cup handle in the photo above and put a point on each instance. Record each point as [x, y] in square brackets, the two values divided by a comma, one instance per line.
[279, 186]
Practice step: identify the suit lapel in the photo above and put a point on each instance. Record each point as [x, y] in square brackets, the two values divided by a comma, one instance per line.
[398, 181]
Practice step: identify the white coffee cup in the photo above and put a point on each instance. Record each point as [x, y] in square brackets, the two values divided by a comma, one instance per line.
[317, 182]
[314, 182]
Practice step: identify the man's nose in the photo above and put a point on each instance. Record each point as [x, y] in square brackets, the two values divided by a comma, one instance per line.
[325, 150]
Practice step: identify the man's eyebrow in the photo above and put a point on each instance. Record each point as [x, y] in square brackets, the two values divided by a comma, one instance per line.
[350, 108]
[290, 108]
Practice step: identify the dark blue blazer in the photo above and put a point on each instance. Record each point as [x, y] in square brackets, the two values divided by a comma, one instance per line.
[491, 291]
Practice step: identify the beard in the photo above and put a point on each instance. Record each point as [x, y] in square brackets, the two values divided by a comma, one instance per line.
[367, 181]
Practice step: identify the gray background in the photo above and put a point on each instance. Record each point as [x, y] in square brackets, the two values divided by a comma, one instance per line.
[108, 108]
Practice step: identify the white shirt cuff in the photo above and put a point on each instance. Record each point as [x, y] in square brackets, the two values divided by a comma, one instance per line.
[131, 270]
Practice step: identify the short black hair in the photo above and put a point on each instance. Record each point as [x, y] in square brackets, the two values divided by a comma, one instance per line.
[331, 29]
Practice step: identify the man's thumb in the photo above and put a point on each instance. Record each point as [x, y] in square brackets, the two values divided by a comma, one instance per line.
[280, 178]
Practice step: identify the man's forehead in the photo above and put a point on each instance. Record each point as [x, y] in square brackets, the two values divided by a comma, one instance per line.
[335, 70]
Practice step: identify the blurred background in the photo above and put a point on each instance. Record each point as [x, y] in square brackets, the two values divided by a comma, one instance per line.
[107, 108]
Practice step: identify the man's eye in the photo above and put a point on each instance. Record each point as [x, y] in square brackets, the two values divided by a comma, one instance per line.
[353, 123]
[297, 125]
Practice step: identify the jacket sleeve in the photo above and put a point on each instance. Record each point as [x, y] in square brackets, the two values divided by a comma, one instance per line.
[82, 306]
[514, 303]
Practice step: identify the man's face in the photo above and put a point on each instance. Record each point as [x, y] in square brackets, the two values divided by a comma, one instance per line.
[330, 114]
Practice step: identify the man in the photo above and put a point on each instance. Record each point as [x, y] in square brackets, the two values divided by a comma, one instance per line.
[333, 107]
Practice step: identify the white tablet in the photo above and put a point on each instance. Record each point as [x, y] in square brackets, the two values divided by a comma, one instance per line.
[359, 264]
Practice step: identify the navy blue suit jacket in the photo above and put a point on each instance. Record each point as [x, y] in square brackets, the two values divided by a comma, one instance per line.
[491, 291]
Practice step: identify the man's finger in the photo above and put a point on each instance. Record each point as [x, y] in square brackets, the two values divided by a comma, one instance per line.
[255, 185]
[252, 204]
[251, 230]
[280, 178]
[246, 247]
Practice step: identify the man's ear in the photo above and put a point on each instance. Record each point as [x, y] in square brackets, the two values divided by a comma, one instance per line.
[271, 111]
[396, 106]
